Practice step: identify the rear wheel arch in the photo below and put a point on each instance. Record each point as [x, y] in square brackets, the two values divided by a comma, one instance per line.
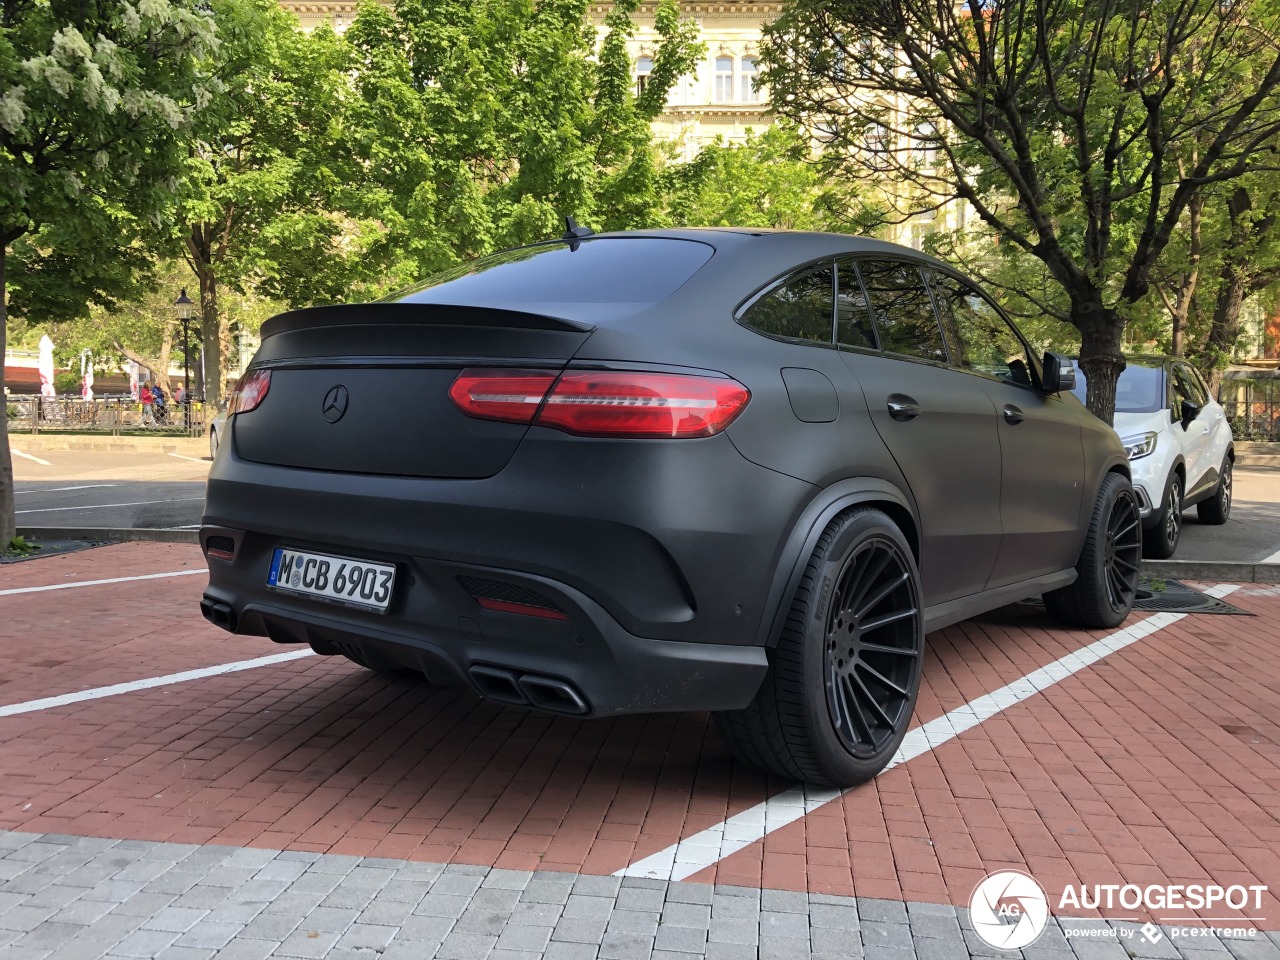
[821, 512]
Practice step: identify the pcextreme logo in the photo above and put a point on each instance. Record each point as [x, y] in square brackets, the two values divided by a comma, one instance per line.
[1009, 910]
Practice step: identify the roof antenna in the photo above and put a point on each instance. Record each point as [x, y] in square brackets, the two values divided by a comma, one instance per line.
[574, 233]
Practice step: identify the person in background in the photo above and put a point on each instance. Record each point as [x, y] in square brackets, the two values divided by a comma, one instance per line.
[179, 395]
[148, 411]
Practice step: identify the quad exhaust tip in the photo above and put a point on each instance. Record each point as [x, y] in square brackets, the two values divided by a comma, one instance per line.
[529, 690]
[218, 613]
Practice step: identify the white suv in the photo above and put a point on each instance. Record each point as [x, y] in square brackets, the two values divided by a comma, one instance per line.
[1179, 445]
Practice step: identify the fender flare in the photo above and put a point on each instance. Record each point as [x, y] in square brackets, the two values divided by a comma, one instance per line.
[809, 527]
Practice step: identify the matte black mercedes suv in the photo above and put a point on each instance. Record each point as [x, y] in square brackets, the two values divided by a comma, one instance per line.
[724, 470]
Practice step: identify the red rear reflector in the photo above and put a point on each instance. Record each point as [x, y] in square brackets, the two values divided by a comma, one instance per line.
[249, 392]
[632, 404]
[506, 606]
[512, 396]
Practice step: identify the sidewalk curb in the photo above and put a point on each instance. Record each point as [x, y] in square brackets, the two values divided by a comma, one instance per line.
[118, 534]
[189, 446]
[1224, 570]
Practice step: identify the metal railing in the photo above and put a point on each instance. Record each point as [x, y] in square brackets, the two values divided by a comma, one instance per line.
[109, 415]
[1253, 419]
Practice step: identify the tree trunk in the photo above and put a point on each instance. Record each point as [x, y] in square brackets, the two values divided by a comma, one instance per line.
[1101, 359]
[1225, 330]
[8, 519]
[211, 338]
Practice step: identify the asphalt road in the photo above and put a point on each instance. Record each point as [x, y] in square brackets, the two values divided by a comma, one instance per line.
[136, 490]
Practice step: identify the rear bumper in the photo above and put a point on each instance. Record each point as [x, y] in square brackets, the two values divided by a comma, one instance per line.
[586, 664]
[659, 554]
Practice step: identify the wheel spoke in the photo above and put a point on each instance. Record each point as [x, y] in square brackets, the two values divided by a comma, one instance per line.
[893, 651]
[855, 710]
[868, 700]
[1126, 563]
[869, 578]
[882, 679]
[1120, 533]
[885, 620]
[879, 597]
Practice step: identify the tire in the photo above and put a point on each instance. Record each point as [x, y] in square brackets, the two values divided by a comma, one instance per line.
[213, 443]
[1217, 509]
[1108, 567]
[1160, 540]
[837, 698]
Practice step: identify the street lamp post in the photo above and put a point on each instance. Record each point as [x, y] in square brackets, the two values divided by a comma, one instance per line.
[186, 310]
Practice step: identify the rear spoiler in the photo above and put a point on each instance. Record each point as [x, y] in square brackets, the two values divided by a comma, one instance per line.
[416, 314]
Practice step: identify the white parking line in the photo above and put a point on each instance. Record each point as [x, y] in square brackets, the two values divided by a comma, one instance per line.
[86, 486]
[192, 459]
[1274, 558]
[104, 506]
[710, 846]
[99, 583]
[26, 456]
[97, 693]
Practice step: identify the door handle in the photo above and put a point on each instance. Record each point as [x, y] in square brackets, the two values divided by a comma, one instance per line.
[902, 407]
[1012, 414]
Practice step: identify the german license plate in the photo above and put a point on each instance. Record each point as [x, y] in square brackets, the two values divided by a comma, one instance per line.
[353, 583]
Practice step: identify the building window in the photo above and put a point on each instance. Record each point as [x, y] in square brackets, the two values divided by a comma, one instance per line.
[747, 75]
[724, 79]
[644, 67]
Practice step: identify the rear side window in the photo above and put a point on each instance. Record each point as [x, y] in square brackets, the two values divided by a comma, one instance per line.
[853, 315]
[601, 270]
[800, 307]
[904, 314]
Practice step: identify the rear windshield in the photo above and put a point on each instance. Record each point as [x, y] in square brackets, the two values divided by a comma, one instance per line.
[601, 270]
[1140, 390]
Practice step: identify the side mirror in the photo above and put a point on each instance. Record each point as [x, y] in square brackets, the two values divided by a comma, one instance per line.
[1059, 373]
[1190, 410]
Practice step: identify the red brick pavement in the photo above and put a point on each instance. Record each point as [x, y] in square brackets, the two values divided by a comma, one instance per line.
[1159, 764]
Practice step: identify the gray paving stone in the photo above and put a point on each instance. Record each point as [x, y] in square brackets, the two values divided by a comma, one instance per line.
[367, 935]
[457, 885]
[519, 936]
[1259, 949]
[55, 895]
[81, 948]
[420, 871]
[842, 916]
[625, 946]
[425, 930]
[737, 908]
[588, 885]
[371, 877]
[579, 930]
[640, 898]
[877, 935]
[308, 943]
[401, 891]
[690, 893]
[935, 927]
[386, 913]
[282, 870]
[731, 890]
[209, 933]
[508, 879]
[782, 948]
[441, 905]
[47, 936]
[1097, 949]
[784, 925]
[681, 940]
[466, 946]
[114, 926]
[25, 918]
[143, 904]
[270, 926]
[246, 948]
[686, 915]
[82, 911]
[537, 914]
[733, 930]
[498, 954]
[570, 951]
[634, 921]
[539, 890]
[588, 907]
[174, 919]
[145, 943]
[250, 857]
[933, 948]
[351, 897]
[336, 863]
[784, 901]
[890, 911]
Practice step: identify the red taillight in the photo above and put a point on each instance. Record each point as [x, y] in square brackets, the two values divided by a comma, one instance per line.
[525, 609]
[249, 392]
[602, 403]
[632, 404]
[512, 396]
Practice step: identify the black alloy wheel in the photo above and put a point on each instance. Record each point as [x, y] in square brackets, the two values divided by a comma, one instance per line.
[844, 676]
[1109, 565]
[871, 653]
[1161, 539]
[1217, 509]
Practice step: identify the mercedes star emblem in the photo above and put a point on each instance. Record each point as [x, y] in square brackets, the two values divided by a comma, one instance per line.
[335, 403]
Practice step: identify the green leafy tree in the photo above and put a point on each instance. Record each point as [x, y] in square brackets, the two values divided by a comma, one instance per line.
[268, 173]
[772, 179]
[1067, 125]
[481, 125]
[95, 104]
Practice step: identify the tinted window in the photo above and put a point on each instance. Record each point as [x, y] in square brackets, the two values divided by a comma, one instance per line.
[853, 316]
[904, 314]
[980, 339]
[800, 307]
[642, 269]
[1188, 384]
[1140, 389]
